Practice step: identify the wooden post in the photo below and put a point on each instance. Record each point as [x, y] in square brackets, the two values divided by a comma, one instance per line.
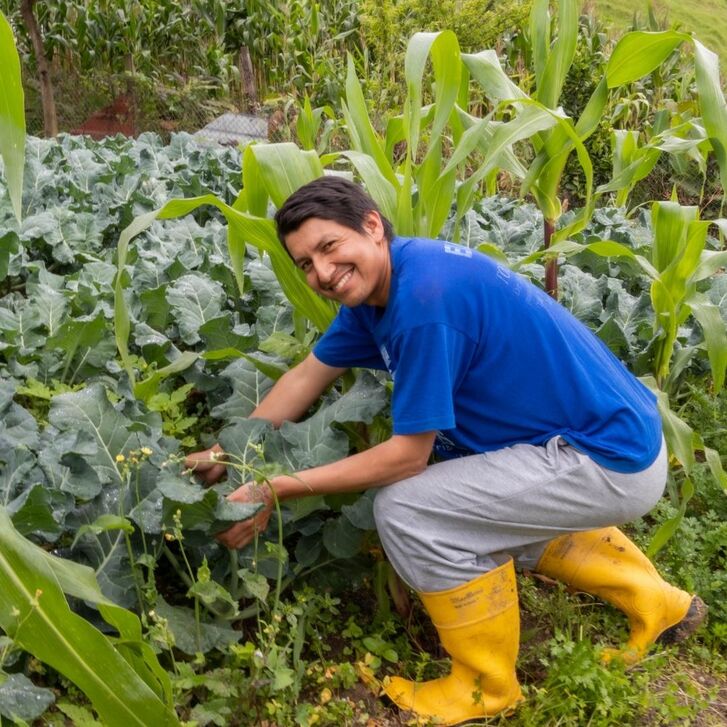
[131, 91]
[50, 119]
[247, 79]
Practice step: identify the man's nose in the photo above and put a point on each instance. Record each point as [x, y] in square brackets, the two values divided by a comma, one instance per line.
[324, 270]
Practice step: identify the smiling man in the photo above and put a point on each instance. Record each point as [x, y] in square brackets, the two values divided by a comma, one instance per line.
[542, 442]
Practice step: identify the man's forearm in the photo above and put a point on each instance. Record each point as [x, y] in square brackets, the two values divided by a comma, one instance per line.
[396, 459]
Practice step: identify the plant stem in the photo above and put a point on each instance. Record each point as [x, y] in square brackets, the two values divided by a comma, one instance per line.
[234, 578]
[551, 266]
[189, 582]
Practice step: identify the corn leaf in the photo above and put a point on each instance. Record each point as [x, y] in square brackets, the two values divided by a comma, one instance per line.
[122, 325]
[443, 49]
[671, 225]
[36, 615]
[284, 168]
[712, 324]
[12, 116]
[377, 185]
[560, 58]
[254, 196]
[485, 68]
[710, 262]
[639, 53]
[358, 123]
[524, 125]
[539, 24]
[668, 528]
[712, 104]
[261, 233]
[592, 114]
[242, 229]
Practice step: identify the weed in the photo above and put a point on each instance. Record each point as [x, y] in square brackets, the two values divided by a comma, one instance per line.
[176, 422]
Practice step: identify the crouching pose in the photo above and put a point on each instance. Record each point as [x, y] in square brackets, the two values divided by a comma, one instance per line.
[543, 443]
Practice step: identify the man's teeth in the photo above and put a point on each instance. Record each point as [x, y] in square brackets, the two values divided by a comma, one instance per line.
[343, 281]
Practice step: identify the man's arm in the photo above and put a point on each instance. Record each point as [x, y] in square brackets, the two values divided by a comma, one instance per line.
[296, 390]
[291, 396]
[400, 457]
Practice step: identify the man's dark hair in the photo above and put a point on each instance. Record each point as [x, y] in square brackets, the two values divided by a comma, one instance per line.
[328, 198]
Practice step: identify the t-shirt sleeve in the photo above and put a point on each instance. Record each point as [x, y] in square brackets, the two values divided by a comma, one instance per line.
[432, 361]
[348, 343]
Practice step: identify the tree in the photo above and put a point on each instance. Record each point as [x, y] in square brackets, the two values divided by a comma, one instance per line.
[50, 120]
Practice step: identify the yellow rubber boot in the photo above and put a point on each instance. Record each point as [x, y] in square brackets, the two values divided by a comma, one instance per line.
[479, 626]
[608, 565]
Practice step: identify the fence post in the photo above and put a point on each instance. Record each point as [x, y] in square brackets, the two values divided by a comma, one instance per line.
[247, 78]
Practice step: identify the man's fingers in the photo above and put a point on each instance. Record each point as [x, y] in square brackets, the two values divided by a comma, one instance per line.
[213, 473]
[206, 464]
[238, 536]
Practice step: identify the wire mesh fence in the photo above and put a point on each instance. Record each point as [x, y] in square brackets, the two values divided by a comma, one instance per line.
[105, 103]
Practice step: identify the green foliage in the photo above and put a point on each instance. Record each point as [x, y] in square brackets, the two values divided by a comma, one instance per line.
[182, 59]
[12, 117]
[706, 19]
[696, 559]
[579, 689]
[386, 28]
[98, 472]
[126, 684]
[298, 46]
[101, 477]
[581, 82]
[175, 420]
[158, 37]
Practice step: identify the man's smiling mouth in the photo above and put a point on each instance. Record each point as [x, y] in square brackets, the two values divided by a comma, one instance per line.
[341, 281]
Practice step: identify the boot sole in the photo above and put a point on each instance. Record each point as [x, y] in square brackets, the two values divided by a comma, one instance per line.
[687, 626]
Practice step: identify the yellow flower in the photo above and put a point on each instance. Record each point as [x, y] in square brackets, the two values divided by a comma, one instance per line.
[120, 458]
[146, 451]
[326, 695]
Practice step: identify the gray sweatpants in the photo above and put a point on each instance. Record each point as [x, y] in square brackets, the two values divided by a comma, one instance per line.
[462, 517]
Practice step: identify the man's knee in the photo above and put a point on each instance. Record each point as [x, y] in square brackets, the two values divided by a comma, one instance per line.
[387, 510]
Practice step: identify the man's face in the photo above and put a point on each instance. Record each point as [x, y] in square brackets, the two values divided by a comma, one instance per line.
[343, 264]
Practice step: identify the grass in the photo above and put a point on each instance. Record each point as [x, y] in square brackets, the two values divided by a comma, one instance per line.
[707, 19]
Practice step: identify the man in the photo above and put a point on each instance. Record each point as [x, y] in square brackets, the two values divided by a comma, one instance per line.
[544, 440]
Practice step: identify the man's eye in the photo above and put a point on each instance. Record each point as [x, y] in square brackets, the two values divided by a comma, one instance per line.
[305, 267]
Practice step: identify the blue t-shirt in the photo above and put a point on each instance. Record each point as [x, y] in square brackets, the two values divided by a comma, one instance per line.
[487, 360]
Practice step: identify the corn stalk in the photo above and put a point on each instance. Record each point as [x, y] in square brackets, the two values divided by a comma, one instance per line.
[12, 116]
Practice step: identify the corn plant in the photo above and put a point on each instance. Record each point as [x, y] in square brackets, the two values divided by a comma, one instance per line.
[12, 118]
[686, 141]
[443, 144]
[279, 170]
[416, 195]
[123, 680]
[633, 57]
[551, 62]
[677, 263]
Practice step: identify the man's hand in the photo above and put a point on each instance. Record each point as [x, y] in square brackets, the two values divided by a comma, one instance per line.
[208, 464]
[242, 533]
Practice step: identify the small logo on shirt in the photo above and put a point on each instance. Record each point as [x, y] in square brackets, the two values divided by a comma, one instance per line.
[387, 359]
[453, 249]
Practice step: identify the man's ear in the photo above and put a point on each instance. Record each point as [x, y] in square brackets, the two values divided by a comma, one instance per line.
[374, 226]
